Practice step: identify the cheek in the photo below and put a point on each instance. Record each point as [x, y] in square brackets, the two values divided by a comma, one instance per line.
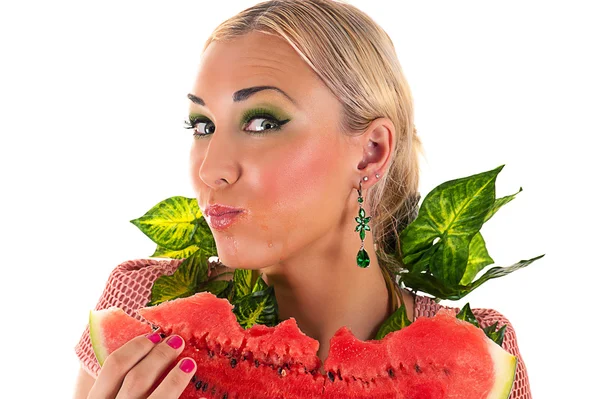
[299, 177]
[300, 194]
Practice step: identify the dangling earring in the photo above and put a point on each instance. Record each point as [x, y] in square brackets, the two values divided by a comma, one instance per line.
[362, 258]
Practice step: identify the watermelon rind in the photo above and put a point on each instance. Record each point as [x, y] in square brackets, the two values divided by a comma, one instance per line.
[505, 369]
[128, 327]
[96, 337]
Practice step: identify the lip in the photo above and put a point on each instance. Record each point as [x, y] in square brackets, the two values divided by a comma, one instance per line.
[223, 221]
[215, 210]
[220, 217]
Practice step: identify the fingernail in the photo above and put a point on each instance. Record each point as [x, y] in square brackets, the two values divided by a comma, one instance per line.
[187, 365]
[175, 341]
[154, 337]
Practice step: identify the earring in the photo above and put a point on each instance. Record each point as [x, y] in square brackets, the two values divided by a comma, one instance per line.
[362, 258]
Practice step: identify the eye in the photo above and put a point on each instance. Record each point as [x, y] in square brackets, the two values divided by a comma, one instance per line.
[201, 125]
[204, 127]
[268, 123]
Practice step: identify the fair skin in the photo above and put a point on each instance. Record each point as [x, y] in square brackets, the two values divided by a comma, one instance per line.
[297, 186]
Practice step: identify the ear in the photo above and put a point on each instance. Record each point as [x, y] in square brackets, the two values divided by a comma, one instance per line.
[377, 142]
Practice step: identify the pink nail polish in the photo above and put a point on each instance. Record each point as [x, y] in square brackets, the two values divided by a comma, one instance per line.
[154, 337]
[187, 365]
[175, 341]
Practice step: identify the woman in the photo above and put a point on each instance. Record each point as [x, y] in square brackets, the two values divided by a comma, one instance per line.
[297, 107]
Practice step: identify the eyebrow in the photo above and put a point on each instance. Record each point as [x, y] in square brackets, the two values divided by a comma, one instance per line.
[243, 94]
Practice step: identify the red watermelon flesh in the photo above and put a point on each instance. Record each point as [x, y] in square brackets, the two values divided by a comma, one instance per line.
[439, 357]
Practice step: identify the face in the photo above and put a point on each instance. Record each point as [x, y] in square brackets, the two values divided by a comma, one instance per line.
[280, 158]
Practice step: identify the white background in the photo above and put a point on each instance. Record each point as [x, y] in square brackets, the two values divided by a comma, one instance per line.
[93, 98]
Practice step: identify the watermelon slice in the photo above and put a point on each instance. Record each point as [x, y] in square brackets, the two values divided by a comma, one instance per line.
[433, 358]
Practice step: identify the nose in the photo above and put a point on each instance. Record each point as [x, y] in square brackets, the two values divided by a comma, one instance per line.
[219, 167]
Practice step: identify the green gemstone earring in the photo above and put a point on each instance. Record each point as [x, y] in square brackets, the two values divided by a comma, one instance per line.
[362, 258]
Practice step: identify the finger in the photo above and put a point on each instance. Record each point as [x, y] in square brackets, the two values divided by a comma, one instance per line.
[144, 376]
[119, 363]
[176, 381]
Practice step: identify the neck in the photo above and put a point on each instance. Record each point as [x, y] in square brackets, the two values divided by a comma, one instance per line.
[323, 288]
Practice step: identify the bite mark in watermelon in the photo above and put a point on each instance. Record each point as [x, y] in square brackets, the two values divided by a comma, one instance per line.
[433, 358]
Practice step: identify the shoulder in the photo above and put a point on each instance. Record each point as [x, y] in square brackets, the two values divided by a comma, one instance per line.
[130, 283]
[427, 307]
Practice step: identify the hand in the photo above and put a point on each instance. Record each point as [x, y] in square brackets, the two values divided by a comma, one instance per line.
[132, 370]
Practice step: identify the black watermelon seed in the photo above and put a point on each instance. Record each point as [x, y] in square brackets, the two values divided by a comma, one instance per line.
[205, 387]
[233, 363]
[162, 335]
[225, 396]
[198, 385]
[194, 378]
[391, 373]
[417, 368]
[339, 375]
[256, 363]
[331, 376]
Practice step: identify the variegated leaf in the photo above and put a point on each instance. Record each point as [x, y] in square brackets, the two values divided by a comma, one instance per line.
[259, 307]
[479, 258]
[242, 283]
[454, 212]
[184, 282]
[171, 223]
[162, 252]
[397, 321]
[430, 284]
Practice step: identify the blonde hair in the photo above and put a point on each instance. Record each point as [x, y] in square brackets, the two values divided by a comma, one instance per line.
[357, 60]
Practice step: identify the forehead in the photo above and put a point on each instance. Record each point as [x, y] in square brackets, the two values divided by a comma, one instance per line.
[256, 59]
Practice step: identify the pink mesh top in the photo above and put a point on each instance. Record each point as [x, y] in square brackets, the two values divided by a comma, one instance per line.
[129, 286]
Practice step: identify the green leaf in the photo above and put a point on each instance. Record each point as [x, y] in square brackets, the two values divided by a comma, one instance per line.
[258, 307]
[496, 336]
[479, 258]
[204, 239]
[259, 285]
[423, 263]
[431, 285]
[184, 282]
[439, 289]
[453, 212]
[397, 321]
[242, 283]
[467, 315]
[499, 203]
[171, 223]
[218, 288]
[162, 252]
[450, 260]
[490, 331]
[498, 271]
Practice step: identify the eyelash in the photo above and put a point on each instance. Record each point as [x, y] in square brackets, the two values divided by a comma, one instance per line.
[251, 115]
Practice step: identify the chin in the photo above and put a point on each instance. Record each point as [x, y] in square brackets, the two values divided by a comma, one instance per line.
[237, 255]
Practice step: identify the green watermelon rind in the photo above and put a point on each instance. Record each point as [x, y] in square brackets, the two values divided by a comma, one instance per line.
[96, 338]
[505, 370]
